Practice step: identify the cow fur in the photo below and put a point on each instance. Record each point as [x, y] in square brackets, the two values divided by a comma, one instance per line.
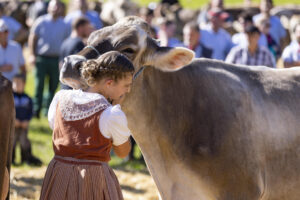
[209, 130]
[7, 116]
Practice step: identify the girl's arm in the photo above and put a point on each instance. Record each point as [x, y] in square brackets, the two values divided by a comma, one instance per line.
[122, 150]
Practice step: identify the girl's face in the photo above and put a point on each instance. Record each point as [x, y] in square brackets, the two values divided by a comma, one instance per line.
[116, 90]
[18, 85]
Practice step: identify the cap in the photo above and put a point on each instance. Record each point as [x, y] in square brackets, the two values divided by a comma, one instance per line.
[3, 26]
[217, 12]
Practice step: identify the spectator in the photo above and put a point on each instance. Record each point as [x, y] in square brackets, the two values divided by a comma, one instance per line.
[245, 20]
[81, 29]
[15, 29]
[45, 39]
[253, 53]
[204, 18]
[191, 36]
[277, 31]
[215, 37]
[147, 14]
[291, 54]
[81, 9]
[37, 9]
[11, 55]
[23, 105]
[166, 34]
[264, 26]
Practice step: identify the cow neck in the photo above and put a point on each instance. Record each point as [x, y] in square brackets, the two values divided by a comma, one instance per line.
[138, 72]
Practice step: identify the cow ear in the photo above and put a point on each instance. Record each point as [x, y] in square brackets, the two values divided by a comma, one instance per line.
[172, 59]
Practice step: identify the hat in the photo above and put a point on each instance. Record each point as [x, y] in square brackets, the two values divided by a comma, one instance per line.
[3, 26]
[217, 12]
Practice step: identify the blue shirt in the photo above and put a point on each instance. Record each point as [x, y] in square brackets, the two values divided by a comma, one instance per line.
[13, 26]
[291, 53]
[277, 31]
[23, 106]
[50, 35]
[13, 55]
[220, 42]
[92, 16]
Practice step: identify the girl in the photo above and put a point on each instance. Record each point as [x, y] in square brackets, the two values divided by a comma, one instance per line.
[85, 128]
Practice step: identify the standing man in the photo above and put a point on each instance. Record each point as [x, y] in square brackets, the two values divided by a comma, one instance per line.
[81, 10]
[81, 29]
[277, 31]
[11, 55]
[45, 39]
[215, 37]
[191, 36]
[251, 53]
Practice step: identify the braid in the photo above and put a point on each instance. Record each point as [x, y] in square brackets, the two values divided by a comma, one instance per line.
[112, 64]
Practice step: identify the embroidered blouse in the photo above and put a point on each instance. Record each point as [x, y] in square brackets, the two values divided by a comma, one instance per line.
[77, 105]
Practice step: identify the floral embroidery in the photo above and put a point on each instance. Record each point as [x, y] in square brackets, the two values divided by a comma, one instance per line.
[77, 105]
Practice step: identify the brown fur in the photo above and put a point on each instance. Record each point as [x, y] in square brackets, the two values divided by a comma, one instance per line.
[7, 116]
[212, 130]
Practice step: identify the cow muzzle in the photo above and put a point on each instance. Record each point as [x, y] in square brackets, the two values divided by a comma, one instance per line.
[70, 72]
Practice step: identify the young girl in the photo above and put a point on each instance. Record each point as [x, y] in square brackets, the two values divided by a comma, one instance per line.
[85, 128]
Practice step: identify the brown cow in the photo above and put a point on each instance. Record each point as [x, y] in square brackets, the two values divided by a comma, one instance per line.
[210, 130]
[7, 116]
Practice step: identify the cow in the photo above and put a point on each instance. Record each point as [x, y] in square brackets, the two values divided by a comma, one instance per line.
[7, 117]
[207, 129]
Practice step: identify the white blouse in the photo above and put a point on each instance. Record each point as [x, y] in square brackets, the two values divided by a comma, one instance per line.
[112, 122]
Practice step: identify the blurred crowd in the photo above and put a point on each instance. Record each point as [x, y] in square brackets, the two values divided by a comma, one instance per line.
[51, 30]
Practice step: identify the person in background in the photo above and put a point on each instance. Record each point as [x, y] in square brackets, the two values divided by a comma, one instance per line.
[85, 129]
[37, 9]
[263, 25]
[277, 31]
[215, 37]
[291, 54]
[81, 29]
[23, 106]
[166, 34]
[15, 29]
[11, 55]
[45, 39]
[191, 39]
[81, 10]
[245, 20]
[252, 53]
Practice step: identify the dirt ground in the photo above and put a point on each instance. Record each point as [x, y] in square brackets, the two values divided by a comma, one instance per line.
[26, 184]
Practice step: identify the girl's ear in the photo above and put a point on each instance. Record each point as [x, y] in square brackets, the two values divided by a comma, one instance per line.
[172, 59]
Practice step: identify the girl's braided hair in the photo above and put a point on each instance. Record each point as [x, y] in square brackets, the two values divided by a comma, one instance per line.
[111, 64]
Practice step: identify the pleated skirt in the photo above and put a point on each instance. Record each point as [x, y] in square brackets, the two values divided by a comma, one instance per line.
[74, 179]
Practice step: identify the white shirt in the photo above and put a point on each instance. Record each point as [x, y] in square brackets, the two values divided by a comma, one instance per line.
[291, 53]
[112, 122]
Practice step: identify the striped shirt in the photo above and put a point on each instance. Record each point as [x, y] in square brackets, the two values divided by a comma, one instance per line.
[241, 55]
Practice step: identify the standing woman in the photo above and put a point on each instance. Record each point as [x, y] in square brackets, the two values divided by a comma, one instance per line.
[85, 128]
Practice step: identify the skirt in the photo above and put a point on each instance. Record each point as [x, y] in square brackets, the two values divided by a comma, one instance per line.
[77, 179]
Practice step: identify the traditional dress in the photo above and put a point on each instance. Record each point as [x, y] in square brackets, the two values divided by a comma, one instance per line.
[85, 126]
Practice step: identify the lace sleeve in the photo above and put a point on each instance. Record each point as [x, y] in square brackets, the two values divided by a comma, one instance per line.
[113, 125]
[52, 110]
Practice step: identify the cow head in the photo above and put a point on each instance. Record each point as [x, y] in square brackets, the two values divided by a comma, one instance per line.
[131, 37]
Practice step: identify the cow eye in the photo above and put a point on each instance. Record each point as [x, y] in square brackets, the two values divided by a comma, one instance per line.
[128, 50]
